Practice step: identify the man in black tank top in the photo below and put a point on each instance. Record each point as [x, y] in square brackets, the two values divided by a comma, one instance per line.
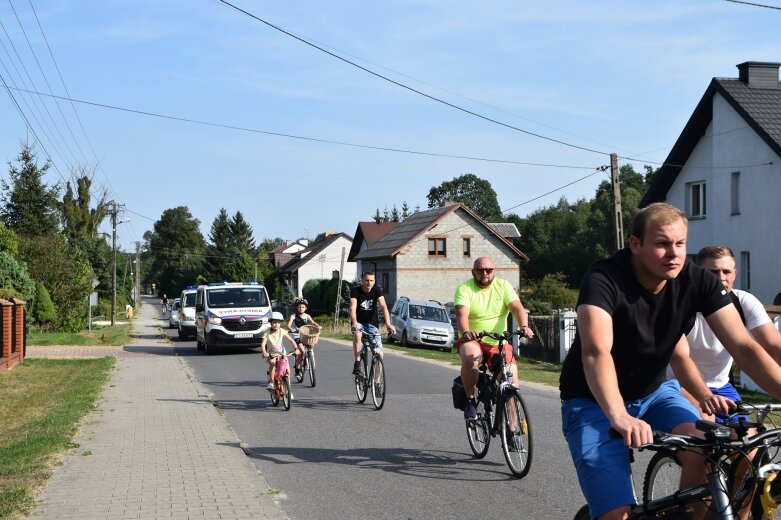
[633, 309]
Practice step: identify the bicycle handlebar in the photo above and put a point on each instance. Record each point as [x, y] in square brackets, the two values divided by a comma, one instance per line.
[501, 337]
[717, 436]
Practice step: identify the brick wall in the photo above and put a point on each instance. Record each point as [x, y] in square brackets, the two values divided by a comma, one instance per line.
[12, 336]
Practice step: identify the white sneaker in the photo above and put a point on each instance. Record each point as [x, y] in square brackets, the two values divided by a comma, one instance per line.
[271, 386]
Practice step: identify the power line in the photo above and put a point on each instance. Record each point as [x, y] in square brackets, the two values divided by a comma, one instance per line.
[754, 4]
[305, 138]
[407, 87]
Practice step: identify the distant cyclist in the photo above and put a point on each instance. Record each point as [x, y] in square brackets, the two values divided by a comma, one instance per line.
[165, 303]
[365, 300]
[296, 321]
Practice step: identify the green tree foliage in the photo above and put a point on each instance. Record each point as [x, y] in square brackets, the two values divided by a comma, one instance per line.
[552, 294]
[174, 250]
[79, 219]
[15, 281]
[29, 205]
[321, 294]
[471, 190]
[9, 242]
[231, 248]
[65, 272]
[377, 217]
[44, 313]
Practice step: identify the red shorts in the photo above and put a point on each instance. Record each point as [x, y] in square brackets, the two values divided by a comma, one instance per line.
[489, 351]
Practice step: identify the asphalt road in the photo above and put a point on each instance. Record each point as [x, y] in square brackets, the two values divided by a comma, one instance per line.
[333, 458]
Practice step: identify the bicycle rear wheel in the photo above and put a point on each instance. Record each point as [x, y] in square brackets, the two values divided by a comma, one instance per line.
[299, 372]
[361, 381]
[286, 392]
[478, 432]
[310, 365]
[516, 434]
[275, 394]
[662, 477]
[377, 382]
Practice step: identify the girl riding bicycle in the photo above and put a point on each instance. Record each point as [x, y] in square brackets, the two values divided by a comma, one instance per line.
[272, 346]
[297, 320]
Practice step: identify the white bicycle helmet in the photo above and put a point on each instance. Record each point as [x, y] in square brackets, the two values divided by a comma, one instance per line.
[276, 316]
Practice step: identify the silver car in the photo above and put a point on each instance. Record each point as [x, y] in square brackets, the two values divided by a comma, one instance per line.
[173, 315]
[422, 322]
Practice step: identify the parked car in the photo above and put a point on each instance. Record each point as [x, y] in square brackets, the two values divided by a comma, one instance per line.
[173, 314]
[422, 322]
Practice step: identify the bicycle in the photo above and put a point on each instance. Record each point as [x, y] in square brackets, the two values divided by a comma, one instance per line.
[281, 381]
[510, 420]
[308, 336]
[663, 473]
[716, 448]
[164, 308]
[372, 372]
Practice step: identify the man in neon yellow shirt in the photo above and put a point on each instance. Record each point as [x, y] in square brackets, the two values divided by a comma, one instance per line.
[482, 304]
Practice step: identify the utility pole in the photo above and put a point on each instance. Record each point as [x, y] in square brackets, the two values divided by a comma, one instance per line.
[339, 292]
[113, 262]
[138, 276]
[617, 219]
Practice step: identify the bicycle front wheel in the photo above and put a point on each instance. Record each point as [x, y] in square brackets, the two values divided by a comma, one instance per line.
[310, 366]
[516, 434]
[662, 477]
[478, 432]
[377, 378]
[361, 380]
[286, 392]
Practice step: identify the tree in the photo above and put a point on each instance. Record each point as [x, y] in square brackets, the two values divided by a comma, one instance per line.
[395, 217]
[404, 210]
[29, 205]
[175, 250]
[552, 294]
[79, 220]
[471, 190]
[231, 248]
[377, 217]
[15, 281]
[44, 313]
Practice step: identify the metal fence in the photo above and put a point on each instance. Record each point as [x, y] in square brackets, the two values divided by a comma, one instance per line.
[545, 344]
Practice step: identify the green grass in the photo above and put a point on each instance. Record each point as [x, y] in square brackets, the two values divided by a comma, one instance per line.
[117, 335]
[43, 402]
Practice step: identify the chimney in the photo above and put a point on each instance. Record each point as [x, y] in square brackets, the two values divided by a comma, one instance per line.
[759, 74]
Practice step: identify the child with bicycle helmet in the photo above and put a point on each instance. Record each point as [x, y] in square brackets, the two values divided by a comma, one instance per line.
[272, 345]
[296, 321]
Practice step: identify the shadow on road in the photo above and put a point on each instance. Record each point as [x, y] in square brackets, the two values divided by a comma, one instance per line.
[407, 461]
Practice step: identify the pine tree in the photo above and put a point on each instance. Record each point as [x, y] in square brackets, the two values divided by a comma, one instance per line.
[29, 205]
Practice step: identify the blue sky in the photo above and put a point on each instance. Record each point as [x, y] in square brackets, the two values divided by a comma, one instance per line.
[614, 76]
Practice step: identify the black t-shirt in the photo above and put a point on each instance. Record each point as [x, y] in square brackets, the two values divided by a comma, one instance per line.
[646, 326]
[366, 309]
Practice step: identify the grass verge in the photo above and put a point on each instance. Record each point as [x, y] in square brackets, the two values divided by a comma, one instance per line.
[114, 336]
[43, 402]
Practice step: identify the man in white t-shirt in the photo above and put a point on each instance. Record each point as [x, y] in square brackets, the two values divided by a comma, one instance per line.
[707, 352]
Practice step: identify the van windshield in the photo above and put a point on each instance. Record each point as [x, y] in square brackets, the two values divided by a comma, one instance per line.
[189, 300]
[231, 297]
[422, 312]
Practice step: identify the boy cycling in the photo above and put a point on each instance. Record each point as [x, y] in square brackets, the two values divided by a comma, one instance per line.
[294, 323]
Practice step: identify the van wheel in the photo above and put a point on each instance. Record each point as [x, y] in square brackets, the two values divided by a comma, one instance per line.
[404, 341]
[198, 344]
[206, 348]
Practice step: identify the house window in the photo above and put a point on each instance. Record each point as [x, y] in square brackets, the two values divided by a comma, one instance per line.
[467, 248]
[745, 270]
[385, 282]
[735, 193]
[695, 200]
[436, 247]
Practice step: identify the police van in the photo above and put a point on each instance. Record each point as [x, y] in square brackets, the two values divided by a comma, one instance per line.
[231, 314]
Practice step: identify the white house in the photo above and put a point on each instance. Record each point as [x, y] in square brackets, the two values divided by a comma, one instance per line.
[725, 173]
[322, 259]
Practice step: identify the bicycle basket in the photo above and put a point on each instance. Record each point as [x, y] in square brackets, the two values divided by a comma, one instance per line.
[459, 394]
[309, 335]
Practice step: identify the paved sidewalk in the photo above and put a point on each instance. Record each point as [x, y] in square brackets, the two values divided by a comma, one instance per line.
[155, 447]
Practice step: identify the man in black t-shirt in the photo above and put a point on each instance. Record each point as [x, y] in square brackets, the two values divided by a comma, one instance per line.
[633, 309]
[365, 299]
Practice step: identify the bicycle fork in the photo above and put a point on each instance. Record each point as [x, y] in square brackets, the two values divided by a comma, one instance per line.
[720, 498]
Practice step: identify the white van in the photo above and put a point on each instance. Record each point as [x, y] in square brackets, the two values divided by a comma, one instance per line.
[187, 312]
[231, 315]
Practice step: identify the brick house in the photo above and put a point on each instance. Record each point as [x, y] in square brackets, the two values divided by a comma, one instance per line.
[431, 252]
[724, 172]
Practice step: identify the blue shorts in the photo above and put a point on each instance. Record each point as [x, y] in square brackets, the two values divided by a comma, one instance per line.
[730, 392]
[374, 333]
[602, 463]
